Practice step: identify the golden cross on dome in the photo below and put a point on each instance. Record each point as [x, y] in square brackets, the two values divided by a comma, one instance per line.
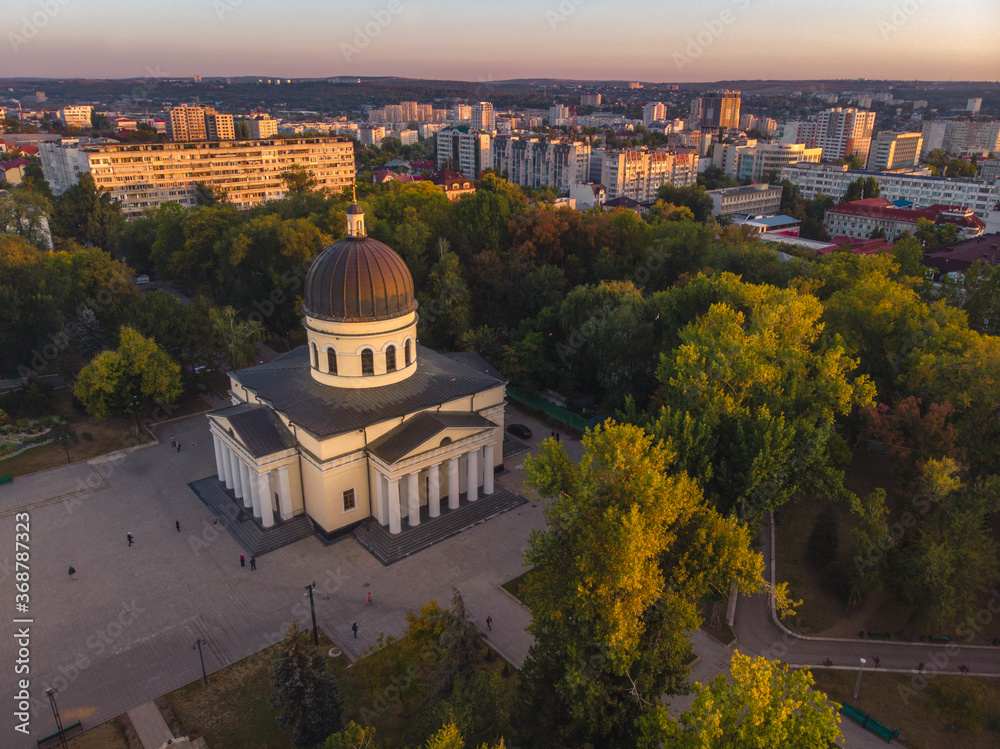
[354, 194]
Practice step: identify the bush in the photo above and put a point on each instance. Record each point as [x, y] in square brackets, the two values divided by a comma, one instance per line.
[836, 581]
[821, 546]
[87, 436]
[33, 397]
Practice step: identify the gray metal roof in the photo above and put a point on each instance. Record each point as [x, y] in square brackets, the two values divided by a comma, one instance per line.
[258, 428]
[408, 436]
[325, 411]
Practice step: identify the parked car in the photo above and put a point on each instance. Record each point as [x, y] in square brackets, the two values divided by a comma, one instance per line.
[519, 430]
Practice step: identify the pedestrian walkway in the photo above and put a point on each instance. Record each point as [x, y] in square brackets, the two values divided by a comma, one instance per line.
[150, 726]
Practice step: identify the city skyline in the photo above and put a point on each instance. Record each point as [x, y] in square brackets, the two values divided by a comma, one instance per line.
[446, 39]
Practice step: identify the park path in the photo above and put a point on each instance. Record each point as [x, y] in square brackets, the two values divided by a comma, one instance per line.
[150, 726]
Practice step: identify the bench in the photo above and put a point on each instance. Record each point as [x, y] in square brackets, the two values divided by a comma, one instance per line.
[867, 721]
[55, 739]
[6, 479]
[880, 635]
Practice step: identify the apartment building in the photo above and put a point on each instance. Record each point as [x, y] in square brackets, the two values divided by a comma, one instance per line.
[719, 110]
[916, 187]
[654, 111]
[758, 200]
[482, 116]
[839, 132]
[63, 162]
[371, 135]
[262, 126]
[956, 136]
[755, 160]
[891, 150]
[590, 100]
[638, 173]
[464, 149]
[859, 218]
[76, 116]
[145, 175]
[531, 162]
[186, 122]
[219, 126]
[558, 116]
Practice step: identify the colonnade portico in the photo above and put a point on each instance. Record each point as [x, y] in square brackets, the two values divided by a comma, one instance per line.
[428, 478]
[261, 491]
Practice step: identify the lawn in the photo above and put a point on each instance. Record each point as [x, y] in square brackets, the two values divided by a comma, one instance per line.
[950, 711]
[516, 586]
[105, 736]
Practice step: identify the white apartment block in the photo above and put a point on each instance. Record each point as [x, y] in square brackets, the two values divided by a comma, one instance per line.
[219, 126]
[62, 163]
[408, 137]
[972, 106]
[186, 122]
[461, 112]
[531, 162]
[429, 128]
[654, 111]
[558, 116]
[757, 200]
[145, 175]
[262, 126]
[483, 117]
[76, 116]
[754, 160]
[919, 188]
[638, 173]
[955, 136]
[371, 135]
[891, 150]
[839, 132]
[590, 100]
[464, 150]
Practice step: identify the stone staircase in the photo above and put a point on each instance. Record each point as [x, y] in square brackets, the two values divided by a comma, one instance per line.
[389, 548]
[241, 523]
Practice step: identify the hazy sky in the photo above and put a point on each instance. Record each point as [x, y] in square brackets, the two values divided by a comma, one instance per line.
[653, 40]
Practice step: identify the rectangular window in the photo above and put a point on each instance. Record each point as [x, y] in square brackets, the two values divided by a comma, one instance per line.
[349, 503]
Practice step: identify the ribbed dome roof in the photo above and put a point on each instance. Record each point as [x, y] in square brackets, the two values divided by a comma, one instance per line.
[358, 279]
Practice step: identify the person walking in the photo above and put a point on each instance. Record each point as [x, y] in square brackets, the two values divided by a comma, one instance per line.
[72, 572]
[130, 538]
[243, 561]
[354, 628]
[489, 623]
[173, 441]
[215, 520]
[178, 446]
[178, 524]
[368, 601]
[253, 563]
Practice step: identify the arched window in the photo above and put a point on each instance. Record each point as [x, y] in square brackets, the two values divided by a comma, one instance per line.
[406, 352]
[315, 356]
[331, 361]
[367, 362]
[390, 359]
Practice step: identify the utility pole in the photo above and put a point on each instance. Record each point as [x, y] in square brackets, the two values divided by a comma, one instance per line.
[312, 608]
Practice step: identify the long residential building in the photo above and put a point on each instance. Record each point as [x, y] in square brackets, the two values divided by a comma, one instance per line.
[463, 149]
[77, 116]
[638, 173]
[920, 189]
[754, 160]
[757, 199]
[859, 218]
[531, 162]
[956, 136]
[892, 150]
[145, 175]
[839, 132]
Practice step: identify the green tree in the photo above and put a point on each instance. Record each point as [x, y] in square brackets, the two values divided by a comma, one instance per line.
[238, 338]
[86, 213]
[299, 180]
[352, 736]
[446, 304]
[24, 213]
[185, 331]
[871, 544]
[306, 695]
[693, 197]
[855, 190]
[128, 380]
[765, 705]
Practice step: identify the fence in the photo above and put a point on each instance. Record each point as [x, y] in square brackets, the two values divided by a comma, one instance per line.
[560, 414]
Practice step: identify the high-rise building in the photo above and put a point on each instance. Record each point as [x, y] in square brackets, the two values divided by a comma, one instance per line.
[892, 150]
[145, 175]
[482, 116]
[638, 173]
[973, 105]
[219, 126]
[720, 110]
[262, 126]
[531, 162]
[955, 136]
[654, 111]
[77, 116]
[590, 100]
[558, 116]
[186, 122]
[840, 132]
[463, 149]
[755, 160]
[371, 135]
[461, 112]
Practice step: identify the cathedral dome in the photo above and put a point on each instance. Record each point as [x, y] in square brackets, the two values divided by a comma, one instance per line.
[358, 279]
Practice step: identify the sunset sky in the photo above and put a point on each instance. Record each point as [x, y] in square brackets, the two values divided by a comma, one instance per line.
[665, 40]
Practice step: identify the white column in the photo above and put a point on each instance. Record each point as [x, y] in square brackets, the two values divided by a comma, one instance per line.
[383, 513]
[434, 490]
[220, 471]
[264, 509]
[246, 475]
[453, 485]
[488, 470]
[394, 521]
[413, 498]
[253, 491]
[284, 494]
[227, 468]
[473, 489]
[239, 484]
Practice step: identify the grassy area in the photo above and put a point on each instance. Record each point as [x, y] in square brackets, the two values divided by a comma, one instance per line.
[516, 586]
[950, 711]
[105, 736]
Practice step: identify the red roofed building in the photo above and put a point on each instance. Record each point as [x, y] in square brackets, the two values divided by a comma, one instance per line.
[384, 175]
[12, 172]
[958, 257]
[453, 183]
[859, 218]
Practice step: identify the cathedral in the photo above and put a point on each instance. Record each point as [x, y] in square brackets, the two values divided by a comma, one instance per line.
[361, 421]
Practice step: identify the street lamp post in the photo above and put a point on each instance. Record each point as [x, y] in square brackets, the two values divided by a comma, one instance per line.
[857, 685]
[197, 644]
[51, 692]
[64, 438]
[312, 608]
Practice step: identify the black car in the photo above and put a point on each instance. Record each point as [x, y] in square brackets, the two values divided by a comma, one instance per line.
[519, 430]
